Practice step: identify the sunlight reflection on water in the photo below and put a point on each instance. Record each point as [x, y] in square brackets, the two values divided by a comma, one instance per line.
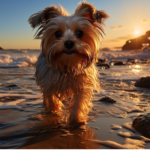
[135, 70]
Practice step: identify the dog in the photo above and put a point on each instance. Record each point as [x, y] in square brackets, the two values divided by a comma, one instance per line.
[66, 66]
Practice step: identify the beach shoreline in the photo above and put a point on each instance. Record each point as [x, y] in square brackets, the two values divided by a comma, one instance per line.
[25, 124]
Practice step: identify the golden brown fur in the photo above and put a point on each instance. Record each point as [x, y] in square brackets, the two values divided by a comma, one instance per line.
[60, 74]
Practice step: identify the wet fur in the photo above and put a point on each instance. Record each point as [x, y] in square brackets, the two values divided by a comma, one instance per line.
[60, 75]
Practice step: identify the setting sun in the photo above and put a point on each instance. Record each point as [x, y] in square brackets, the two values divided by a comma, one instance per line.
[136, 32]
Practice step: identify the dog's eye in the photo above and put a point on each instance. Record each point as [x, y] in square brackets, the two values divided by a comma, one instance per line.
[58, 34]
[79, 34]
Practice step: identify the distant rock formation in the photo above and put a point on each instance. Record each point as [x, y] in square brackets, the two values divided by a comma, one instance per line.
[1, 48]
[137, 43]
[105, 49]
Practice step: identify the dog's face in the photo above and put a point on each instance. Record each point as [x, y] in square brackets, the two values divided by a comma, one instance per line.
[69, 41]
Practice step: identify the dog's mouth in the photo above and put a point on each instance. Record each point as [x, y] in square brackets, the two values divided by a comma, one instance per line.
[69, 52]
[83, 58]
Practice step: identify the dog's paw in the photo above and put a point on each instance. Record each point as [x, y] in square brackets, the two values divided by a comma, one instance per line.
[76, 124]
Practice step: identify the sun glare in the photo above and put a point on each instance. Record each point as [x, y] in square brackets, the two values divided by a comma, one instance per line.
[136, 32]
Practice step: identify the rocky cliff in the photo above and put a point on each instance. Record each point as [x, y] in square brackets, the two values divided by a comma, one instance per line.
[1, 48]
[138, 42]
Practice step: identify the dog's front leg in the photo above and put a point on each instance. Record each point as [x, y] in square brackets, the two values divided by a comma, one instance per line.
[80, 106]
[52, 103]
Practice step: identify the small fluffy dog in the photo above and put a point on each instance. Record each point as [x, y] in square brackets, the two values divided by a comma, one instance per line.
[65, 68]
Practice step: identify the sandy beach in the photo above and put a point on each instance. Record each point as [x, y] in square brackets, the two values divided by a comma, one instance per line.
[25, 123]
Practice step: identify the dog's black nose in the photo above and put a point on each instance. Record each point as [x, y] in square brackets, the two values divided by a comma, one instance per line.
[69, 44]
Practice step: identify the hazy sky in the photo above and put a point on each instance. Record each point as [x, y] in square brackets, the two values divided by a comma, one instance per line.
[128, 19]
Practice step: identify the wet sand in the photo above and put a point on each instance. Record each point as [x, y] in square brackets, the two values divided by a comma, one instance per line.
[24, 122]
[51, 138]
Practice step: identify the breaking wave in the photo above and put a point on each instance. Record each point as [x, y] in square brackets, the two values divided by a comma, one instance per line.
[17, 61]
[124, 55]
[28, 58]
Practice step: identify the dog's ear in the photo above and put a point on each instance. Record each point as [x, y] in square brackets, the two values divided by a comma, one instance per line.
[46, 14]
[88, 10]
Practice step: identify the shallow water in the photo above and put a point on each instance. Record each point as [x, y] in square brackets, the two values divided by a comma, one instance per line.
[23, 118]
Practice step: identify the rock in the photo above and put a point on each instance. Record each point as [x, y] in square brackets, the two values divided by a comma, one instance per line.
[142, 124]
[143, 82]
[1, 48]
[107, 100]
[102, 60]
[133, 61]
[103, 65]
[137, 43]
[144, 61]
[12, 86]
[119, 63]
[114, 62]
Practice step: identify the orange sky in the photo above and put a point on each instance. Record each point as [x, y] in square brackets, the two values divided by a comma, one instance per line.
[126, 18]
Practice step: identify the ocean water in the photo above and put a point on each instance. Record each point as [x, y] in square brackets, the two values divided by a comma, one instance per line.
[23, 115]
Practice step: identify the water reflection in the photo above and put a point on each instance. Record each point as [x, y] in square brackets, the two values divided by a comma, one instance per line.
[50, 135]
[137, 66]
[135, 70]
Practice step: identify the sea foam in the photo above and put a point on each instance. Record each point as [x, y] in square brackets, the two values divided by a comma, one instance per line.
[17, 61]
[27, 58]
[124, 55]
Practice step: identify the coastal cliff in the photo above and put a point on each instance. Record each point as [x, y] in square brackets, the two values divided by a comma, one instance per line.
[137, 43]
[1, 48]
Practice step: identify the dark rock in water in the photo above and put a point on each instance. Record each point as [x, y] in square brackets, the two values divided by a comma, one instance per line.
[102, 60]
[143, 82]
[142, 124]
[103, 65]
[12, 86]
[1, 48]
[107, 100]
[119, 63]
[144, 61]
[133, 61]
[114, 62]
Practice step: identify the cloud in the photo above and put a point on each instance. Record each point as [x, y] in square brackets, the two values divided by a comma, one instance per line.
[118, 27]
[145, 20]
